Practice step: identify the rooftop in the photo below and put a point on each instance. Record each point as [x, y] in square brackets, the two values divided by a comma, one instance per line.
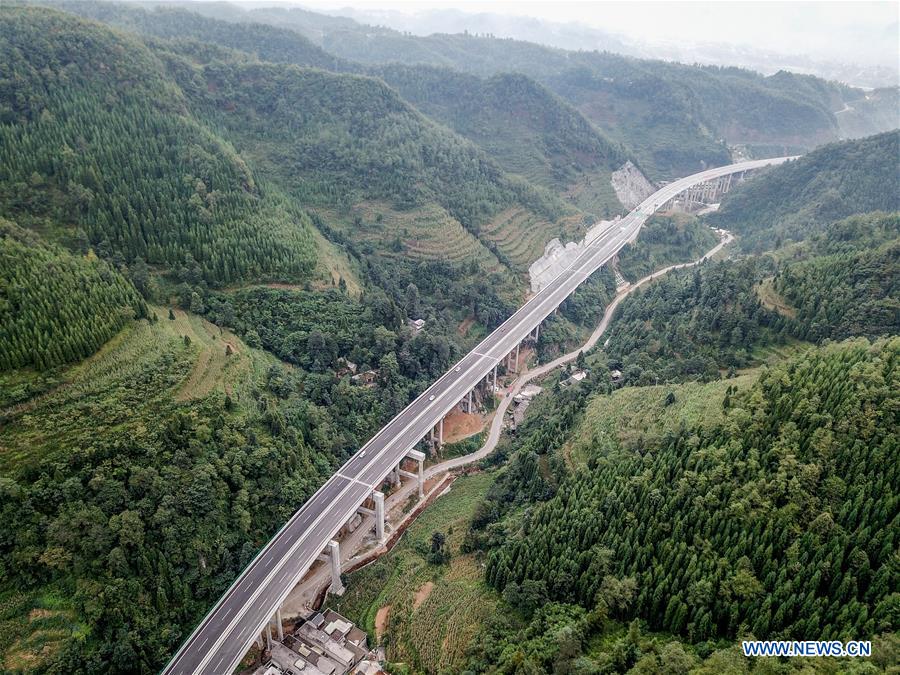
[322, 643]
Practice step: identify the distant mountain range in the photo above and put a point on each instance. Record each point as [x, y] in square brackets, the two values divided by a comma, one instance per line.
[572, 35]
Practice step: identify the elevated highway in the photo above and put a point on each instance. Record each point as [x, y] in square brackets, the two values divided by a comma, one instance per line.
[219, 642]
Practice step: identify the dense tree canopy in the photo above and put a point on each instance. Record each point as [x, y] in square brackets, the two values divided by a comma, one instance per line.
[848, 283]
[55, 307]
[780, 522]
[794, 200]
[94, 135]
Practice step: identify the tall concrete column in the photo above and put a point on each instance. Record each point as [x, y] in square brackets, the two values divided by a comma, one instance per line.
[469, 402]
[517, 359]
[495, 381]
[537, 332]
[395, 475]
[420, 458]
[378, 496]
[269, 635]
[421, 478]
[259, 642]
[334, 552]
[278, 626]
[432, 436]
[441, 432]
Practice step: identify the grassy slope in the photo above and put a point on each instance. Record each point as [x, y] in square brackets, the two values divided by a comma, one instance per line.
[142, 366]
[638, 416]
[433, 636]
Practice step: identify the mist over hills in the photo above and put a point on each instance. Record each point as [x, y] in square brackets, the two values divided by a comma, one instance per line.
[686, 114]
[711, 50]
[235, 243]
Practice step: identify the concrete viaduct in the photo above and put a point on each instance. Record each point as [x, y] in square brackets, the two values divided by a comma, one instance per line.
[249, 607]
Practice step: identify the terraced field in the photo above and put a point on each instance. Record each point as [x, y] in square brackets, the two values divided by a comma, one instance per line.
[521, 236]
[33, 624]
[143, 367]
[426, 233]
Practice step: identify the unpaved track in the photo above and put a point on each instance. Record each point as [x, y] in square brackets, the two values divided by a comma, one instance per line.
[497, 423]
[304, 592]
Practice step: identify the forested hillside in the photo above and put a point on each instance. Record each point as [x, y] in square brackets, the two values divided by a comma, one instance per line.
[55, 307]
[266, 42]
[97, 149]
[519, 123]
[798, 198]
[211, 220]
[135, 490]
[381, 175]
[848, 281]
[671, 116]
[529, 130]
[665, 240]
[192, 170]
[778, 521]
[693, 323]
[345, 138]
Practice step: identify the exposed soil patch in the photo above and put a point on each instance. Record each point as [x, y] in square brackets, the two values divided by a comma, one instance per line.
[771, 299]
[38, 613]
[286, 287]
[381, 621]
[422, 594]
[465, 325]
[459, 425]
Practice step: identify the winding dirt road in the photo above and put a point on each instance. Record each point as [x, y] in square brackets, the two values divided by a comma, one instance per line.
[310, 587]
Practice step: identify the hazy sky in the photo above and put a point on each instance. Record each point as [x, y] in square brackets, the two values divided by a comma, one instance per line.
[862, 32]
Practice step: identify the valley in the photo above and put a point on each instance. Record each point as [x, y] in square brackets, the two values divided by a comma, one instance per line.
[267, 272]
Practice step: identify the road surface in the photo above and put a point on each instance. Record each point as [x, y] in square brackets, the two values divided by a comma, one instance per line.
[220, 641]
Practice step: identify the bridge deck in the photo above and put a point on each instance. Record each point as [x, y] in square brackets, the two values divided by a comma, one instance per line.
[220, 641]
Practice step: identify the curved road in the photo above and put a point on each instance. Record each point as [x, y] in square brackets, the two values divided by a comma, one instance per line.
[496, 428]
[218, 643]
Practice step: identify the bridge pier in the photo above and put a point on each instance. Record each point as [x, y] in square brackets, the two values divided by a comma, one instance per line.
[378, 496]
[420, 475]
[441, 433]
[420, 458]
[278, 625]
[334, 552]
[469, 403]
[516, 370]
